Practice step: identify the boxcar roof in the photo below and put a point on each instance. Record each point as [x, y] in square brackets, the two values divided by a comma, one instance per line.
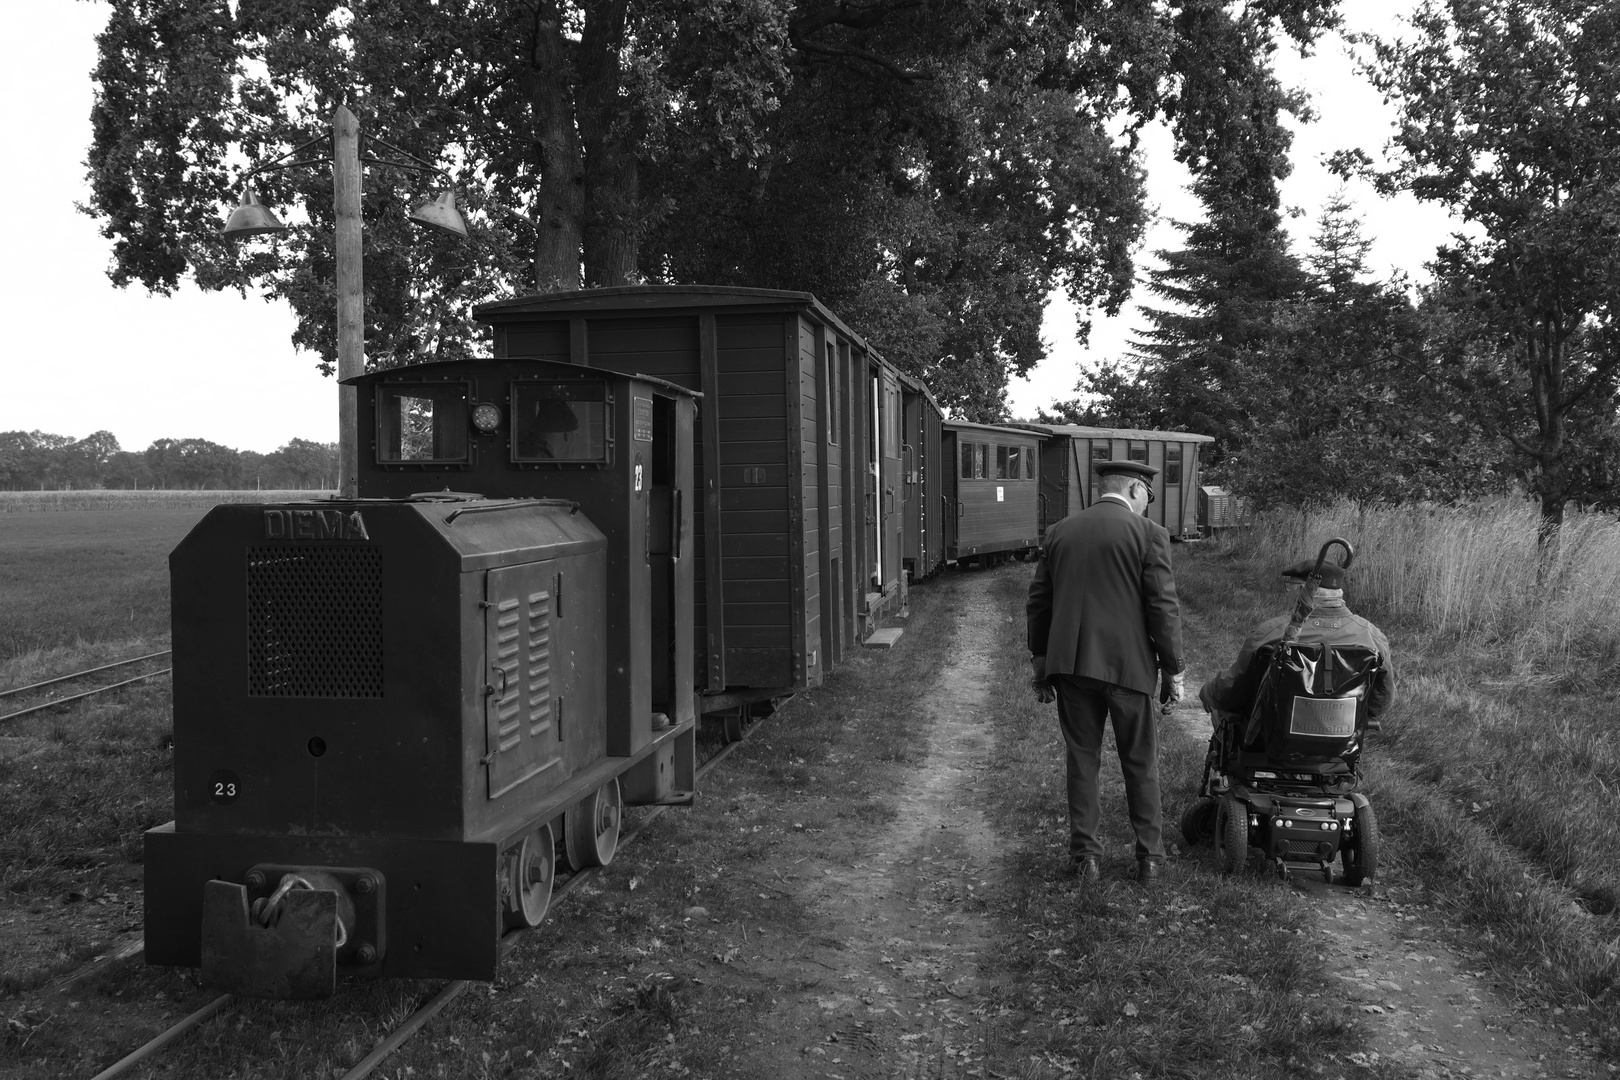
[1075, 431]
[999, 429]
[658, 298]
[917, 385]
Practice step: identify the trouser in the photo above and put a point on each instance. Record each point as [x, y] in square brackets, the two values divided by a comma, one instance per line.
[1084, 705]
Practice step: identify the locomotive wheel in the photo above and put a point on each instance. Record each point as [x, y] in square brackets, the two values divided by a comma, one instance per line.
[533, 872]
[1199, 821]
[1361, 853]
[1232, 835]
[732, 722]
[591, 828]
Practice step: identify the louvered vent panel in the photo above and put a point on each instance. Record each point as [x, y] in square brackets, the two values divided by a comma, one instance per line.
[314, 621]
[539, 662]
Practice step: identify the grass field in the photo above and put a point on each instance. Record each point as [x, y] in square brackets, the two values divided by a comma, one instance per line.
[1494, 781]
[115, 499]
[73, 582]
[84, 575]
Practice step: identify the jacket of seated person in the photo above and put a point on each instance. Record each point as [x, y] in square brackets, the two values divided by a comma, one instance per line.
[1331, 623]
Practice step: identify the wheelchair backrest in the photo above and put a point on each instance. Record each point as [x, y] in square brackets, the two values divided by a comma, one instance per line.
[1316, 704]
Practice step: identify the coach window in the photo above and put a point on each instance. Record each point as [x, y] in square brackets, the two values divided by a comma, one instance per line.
[422, 423]
[967, 461]
[1172, 463]
[1001, 463]
[1101, 451]
[560, 421]
[981, 451]
[1138, 452]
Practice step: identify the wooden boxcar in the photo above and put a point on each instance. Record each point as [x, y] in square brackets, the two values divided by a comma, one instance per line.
[1069, 455]
[799, 461]
[994, 505]
[927, 488]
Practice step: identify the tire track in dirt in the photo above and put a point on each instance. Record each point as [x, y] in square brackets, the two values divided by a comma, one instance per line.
[902, 929]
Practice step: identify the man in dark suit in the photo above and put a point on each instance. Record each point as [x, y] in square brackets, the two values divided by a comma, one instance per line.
[1104, 632]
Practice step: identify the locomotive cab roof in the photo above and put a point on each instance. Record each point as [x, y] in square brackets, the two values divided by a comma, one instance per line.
[443, 368]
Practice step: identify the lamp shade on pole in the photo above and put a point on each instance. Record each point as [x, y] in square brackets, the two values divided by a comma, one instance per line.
[251, 217]
[441, 213]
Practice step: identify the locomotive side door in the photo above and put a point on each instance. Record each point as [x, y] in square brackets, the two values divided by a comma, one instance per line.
[523, 715]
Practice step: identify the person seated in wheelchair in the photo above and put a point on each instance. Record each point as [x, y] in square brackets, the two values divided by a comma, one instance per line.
[1229, 696]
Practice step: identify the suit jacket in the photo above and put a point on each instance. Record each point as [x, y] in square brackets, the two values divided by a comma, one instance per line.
[1103, 603]
[1331, 623]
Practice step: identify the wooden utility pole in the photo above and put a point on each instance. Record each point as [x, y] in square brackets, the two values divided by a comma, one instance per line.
[351, 326]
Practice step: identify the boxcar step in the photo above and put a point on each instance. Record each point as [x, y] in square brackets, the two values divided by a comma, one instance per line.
[884, 639]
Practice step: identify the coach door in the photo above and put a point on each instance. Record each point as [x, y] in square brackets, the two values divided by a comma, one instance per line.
[889, 481]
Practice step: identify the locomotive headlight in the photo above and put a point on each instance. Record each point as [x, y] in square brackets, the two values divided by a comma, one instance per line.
[486, 417]
[1327, 826]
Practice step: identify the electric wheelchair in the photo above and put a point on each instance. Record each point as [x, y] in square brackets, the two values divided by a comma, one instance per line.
[1284, 778]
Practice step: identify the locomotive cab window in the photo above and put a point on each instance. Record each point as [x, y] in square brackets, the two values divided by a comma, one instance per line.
[422, 424]
[560, 421]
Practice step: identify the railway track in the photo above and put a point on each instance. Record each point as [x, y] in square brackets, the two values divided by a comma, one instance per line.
[19, 691]
[429, 1009]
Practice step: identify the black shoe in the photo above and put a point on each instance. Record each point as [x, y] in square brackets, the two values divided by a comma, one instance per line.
[1149, 872]
[1087, 868]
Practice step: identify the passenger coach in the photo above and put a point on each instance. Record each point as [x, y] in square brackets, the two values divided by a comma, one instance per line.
[994, 508]
[1070, 455]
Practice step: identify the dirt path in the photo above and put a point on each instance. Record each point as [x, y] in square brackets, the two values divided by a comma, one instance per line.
[890, 970]
[1429, 1010]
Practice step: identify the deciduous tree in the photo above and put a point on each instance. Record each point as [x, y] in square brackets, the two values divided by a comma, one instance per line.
[1509, 115]
[930, 167]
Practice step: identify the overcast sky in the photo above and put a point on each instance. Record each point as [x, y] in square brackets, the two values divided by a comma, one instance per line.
[80, 355]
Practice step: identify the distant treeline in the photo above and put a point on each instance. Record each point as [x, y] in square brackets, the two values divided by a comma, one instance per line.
[38, 460]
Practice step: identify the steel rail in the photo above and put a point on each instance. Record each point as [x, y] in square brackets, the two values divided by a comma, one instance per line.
[434, 1005]
[82, 674]
[129, 1061]
[400, 1034]
[81, 697]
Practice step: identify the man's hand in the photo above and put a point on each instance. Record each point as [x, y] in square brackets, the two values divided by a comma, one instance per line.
[1038, 681]
[1172, 688]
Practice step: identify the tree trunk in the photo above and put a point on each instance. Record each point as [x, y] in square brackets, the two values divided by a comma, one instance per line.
[549, 81]
[609, 135]
[611, 243]
[1546, 358]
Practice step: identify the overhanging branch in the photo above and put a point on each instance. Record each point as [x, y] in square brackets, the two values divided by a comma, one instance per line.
[855, 16]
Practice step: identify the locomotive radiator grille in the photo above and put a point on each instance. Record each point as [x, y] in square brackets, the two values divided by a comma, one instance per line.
[314, 621]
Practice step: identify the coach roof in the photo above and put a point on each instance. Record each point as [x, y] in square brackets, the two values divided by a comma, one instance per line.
[1076, 431]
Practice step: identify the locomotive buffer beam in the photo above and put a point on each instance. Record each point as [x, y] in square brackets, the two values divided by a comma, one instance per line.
[283, 934]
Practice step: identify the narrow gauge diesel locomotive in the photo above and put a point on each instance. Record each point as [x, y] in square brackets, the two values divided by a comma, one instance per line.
[387, 709]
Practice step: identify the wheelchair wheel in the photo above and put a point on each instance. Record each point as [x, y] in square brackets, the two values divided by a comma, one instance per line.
[1232, 835]
[1198, 822]
[1361, 852]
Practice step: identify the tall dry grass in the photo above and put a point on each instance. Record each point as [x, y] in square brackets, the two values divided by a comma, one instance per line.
[1471, 571]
